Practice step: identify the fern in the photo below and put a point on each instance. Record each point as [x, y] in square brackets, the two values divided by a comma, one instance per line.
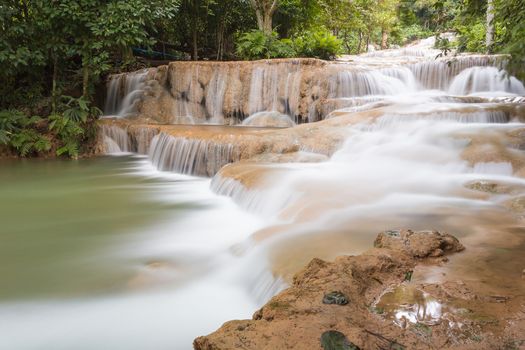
[257, 45]
[78, 109]
[4, 137]
[28, 141]
[69, 126]
[42, 145]
[69, 132]
[319, 44]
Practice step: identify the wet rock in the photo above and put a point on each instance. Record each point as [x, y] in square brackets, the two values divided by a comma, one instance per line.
[334, 340]
[516, 205]
[269, 119]
[488, 187]
[337, 298]
[429, 315]
[419, 244]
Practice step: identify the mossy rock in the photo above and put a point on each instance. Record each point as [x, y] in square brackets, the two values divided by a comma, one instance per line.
[337, 298]
[334, 340]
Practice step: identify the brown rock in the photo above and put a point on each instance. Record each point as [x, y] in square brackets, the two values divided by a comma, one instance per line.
[297, 317]
[419, 244]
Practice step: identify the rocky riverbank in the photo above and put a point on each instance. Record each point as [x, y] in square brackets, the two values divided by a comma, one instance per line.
[373, 301]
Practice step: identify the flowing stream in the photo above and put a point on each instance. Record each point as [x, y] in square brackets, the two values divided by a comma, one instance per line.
[125, 252]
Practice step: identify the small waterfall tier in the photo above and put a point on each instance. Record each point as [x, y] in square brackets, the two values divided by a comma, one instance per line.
[227, 93]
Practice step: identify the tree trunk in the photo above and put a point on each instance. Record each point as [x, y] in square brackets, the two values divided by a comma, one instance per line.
[54, 94]
[85, 76]
[490, 25]
[220, 40]
[267, 26]
[195, 22]
[360, 42]
[195, 49]
[127, 54]
[384, 39]
[264, 10]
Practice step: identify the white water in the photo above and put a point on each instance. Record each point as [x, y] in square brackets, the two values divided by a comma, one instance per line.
[190, 156]
[403, 169]
[485, 79]
[124, 91]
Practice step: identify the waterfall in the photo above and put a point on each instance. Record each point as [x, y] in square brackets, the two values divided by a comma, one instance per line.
[271, 85]
[116, 139]
[251, 199]
[123, 92]
[387, 81]
[462, 117]
[485, 79]
[438, 74]
[226, 93]
[190, 156]
[141, 139]
[215, 96]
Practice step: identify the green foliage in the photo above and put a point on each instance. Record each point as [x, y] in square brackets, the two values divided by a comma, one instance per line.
[41, 40]
[17, 131]
[413, 32]
[69, 132]
[444, 45]
[78, 109]
[29, 141]
[72, 123]
[318, 44]
[472, 37]
[511, 33]
[257, 45]
[70, 128]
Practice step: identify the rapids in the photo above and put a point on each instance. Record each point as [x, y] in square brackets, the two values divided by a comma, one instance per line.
[426, 144]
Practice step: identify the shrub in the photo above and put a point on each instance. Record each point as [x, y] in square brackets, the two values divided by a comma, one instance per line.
[18, 132]
[444, 45]
[472, 38]
[412, 33]
[70, 127]
[258, 45]
[318, 44]
[72, 124]
[29, 141]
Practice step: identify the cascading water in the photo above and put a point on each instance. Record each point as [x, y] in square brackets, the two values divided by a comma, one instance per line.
[116, 139]
[388, 81]
[485, 79]
[190, 156]
[226, 94]
[416, 153]
[124, 91]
